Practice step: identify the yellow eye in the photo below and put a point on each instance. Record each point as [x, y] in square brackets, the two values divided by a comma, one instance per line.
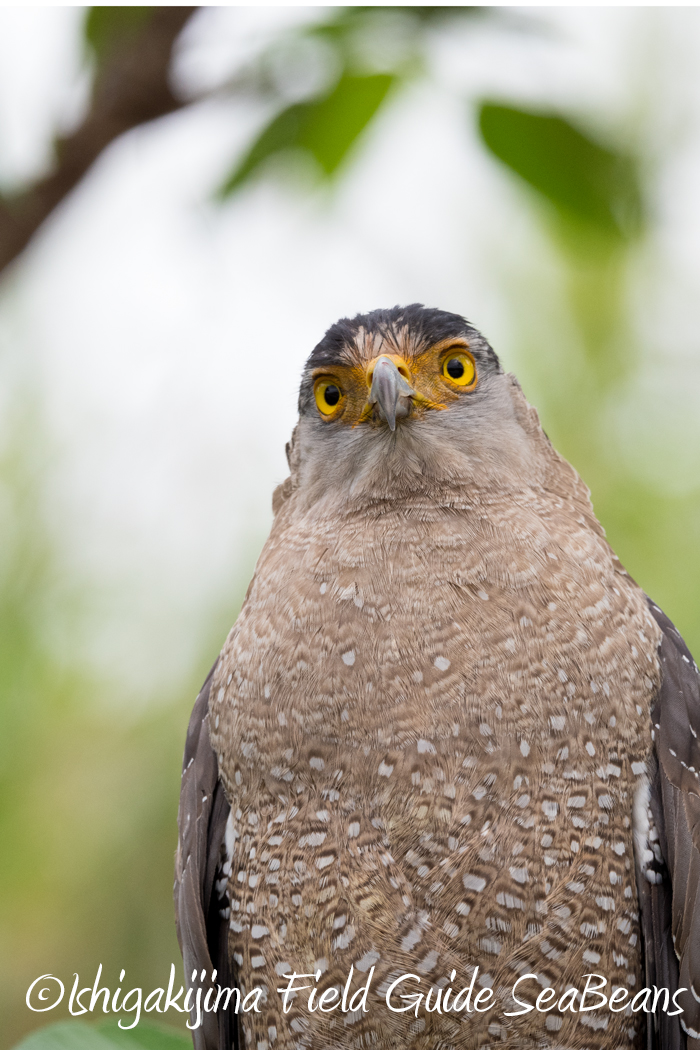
[328, 396]
[460, 369]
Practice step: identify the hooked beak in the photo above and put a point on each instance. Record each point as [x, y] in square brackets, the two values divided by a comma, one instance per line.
[390, 391]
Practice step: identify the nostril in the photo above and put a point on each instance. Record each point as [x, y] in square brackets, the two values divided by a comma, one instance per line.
[404, 372]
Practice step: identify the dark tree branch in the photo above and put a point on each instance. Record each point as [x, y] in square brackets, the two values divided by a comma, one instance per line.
[131, 87]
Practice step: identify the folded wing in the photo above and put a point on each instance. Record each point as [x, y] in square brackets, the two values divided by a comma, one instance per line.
[200, 912]
[669, 881]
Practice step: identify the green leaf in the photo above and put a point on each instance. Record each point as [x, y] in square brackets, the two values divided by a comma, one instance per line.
[580, 177]
[145, 1036]
[107, 27]
[325, 128]
[334, 123]
[67, 1035]
[442, 14]
[75, 1035]
[344, 19]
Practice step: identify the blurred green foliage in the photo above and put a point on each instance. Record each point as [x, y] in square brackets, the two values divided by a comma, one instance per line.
[88, 796]
[75, 1035]
[326, 125]
[88, 790]
[109, 27]
[595, 184]
[325, 128]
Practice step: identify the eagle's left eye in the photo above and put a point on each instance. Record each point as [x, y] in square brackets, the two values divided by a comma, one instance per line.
[328, 396]
[459, 368]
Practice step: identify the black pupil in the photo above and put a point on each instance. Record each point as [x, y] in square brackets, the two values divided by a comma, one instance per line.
[455, 368]
[332, 395]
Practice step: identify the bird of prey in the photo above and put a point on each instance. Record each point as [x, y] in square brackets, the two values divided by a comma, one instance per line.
[447, 736]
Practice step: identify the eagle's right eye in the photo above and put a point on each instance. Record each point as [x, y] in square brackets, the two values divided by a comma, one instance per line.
[328, 396]
[459, 368]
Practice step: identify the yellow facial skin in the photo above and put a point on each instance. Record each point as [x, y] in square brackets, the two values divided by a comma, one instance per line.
[438, 376]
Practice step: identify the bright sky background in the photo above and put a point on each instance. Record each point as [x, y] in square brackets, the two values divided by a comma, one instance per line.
[163, 335]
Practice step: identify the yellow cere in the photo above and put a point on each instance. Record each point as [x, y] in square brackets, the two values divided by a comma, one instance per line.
[458, 367]
[328, 395]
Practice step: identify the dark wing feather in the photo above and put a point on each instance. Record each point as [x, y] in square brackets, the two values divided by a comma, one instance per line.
[670, 906]
[201, 929]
